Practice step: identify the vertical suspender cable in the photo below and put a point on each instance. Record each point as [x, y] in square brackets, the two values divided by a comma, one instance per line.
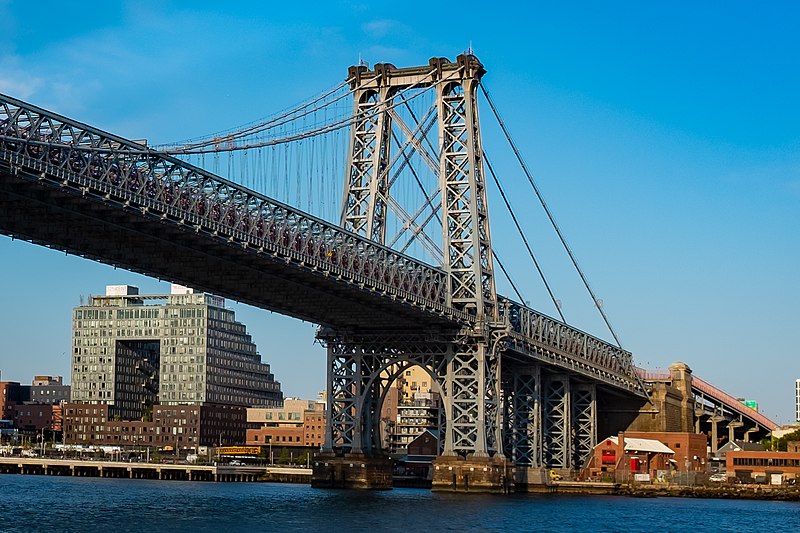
[505, 273]
[524, 239]
[549, 214]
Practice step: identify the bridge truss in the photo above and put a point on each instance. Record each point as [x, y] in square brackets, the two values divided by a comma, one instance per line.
[509, 376]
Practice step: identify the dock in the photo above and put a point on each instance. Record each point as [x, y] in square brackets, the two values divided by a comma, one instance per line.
[165, 471]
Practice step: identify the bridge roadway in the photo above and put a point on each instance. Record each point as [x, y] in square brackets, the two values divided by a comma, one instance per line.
[75, 188]
[712, 401]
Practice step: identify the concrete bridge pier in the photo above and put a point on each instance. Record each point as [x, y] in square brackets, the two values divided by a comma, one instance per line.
[351, 471]
[715, 420]
[732, 426]
[472, 474]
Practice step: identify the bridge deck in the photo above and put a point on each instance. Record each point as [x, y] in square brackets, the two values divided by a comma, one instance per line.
[72, 187]
[701, 387]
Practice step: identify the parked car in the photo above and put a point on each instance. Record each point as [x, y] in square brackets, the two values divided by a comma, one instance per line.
[718, 477]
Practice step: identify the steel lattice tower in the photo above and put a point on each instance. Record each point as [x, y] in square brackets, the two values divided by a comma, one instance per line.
[464, 363]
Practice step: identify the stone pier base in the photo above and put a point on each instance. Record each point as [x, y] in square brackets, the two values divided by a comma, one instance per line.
[352, 471]
[474, 474]
[525, 478]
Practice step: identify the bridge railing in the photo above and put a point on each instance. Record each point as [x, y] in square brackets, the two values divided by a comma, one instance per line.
[548, 332]
[653, 375]
[117, 169]
[731, 402]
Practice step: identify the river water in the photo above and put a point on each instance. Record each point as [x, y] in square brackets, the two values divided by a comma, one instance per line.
[53, 504]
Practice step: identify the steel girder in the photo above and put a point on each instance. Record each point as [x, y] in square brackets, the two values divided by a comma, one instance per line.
[584, 422]
[556, 423]
[467, 243]
[553, 342]
[523, 416]
[550, 421]
[471, 385]
[67, 154]
[367, 187]
[465, 382]
[361, 368]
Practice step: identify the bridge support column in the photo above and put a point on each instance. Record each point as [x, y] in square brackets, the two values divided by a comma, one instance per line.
[557, 424]
[472, 459]
[466, 430]
[732, 425]
[352, 456]
[584, 422]
[715, 420]
[523, 424]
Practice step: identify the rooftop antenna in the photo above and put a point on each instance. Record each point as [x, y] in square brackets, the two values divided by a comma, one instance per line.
[469, 50]
[361, 62]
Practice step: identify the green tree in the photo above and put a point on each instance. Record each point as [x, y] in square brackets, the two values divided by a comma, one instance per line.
[780, 444]
[302, 460]
[284, 457]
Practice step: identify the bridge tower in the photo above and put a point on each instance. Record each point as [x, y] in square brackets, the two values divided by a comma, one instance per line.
[463, 362]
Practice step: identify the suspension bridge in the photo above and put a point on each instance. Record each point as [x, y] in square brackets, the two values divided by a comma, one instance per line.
[401, 272]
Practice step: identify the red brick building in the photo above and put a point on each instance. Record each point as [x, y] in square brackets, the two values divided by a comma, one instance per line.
[32, 418]
[178, 426]
[691, 449]
[299, 424]
[11, 395]
[624, 458]
[632, 452]
[751, 466]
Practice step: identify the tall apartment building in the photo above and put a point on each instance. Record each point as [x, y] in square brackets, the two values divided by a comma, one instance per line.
[422, 413]
[410, 407]
[131, 351]
[797, 400]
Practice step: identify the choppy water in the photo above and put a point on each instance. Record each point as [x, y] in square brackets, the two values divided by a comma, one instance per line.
[37, 503]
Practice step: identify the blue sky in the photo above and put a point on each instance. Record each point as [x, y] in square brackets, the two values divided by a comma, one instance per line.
[665, 138]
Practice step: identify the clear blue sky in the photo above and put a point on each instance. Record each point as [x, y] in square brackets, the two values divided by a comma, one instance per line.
[665, 137]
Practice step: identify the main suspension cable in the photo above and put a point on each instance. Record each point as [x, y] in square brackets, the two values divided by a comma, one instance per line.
[210, 147]
[549, 214]
[524, 239]
[260, 125]
[508, 277]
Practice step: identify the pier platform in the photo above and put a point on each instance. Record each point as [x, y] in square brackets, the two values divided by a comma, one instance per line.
[183, 472]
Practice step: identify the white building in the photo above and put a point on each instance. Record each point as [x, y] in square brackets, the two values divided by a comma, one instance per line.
[797, 400]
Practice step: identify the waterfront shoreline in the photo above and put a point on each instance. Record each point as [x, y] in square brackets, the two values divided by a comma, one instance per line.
[301, 476]
[726, 492]
[161, 471]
